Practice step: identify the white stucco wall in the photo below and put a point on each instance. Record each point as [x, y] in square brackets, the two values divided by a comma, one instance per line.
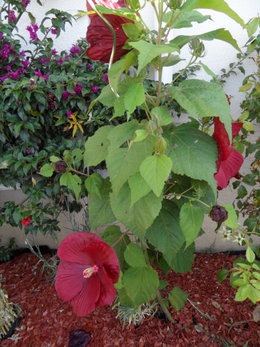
[219, 55]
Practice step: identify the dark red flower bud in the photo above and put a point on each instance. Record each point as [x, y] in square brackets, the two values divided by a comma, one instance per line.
[218, 214]
[60, 166]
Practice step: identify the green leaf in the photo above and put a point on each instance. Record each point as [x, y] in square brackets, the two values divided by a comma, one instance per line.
[46, 170]
[122, 133]
[134, 97]
[134, 256]
[54, 159]
[140, 216]
[133, 31]
[94, 183]
[125, 162]
[71, 181]
[191, 219]
[138, 188]
[242, 192]
[161, 115]
[116, 239]
[165, 233]
[203, 99]
[171, 60]
[243, 292]
[177, 298]
[183, 260]
[141, 284]
[116, 70]
[222, 275]
[216, 5]
[149, 51]
[100, 212]
[124, 298]
[184, 19]
[140, 135]
[96, 147]
[123, 12]
[193, 154]
[155, 170]
[106, 97]
[218, 34]
[208, 71]
[252, 26]
[250, 255]
[232, 221]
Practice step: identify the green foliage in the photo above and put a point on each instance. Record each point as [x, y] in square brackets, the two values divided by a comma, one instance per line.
[40, 92]
[177, 298]
[6, 252]
[160, 179]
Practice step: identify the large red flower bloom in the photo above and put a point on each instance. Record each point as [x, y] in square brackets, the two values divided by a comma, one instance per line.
[229, 160]
[100, 38]
[87, 272]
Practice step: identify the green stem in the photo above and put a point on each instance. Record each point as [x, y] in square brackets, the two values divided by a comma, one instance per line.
[201, 202]
[79, 172]
[158, 294]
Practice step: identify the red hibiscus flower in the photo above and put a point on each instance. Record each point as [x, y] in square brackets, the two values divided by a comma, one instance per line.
[229, 160]
[100, 38]
[26, 221]
[114, 4]
[87, 272]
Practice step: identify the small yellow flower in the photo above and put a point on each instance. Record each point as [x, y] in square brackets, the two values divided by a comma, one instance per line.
[75, 124]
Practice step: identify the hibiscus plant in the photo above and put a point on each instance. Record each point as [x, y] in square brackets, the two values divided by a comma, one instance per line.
[163, 178]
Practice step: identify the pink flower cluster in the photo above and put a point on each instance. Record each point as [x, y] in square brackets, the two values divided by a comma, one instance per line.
[33, 28]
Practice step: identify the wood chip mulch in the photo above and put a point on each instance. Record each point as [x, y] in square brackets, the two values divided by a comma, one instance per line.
[47, 321]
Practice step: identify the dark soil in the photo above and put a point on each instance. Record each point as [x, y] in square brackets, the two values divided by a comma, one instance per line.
[48, 322]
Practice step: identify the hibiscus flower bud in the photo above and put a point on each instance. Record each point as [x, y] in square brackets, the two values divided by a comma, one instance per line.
[60, 166]
[218, 214]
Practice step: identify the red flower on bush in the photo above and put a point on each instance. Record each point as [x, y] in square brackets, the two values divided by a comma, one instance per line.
[229, 160]
[26, 221]
[100, 38]
[87, 272]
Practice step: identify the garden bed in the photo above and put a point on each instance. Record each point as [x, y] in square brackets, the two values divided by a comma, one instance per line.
[47, 321]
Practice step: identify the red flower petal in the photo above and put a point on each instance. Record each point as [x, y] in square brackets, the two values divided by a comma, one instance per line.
[69, 280]
[85, 301]
[26, 221]
[104, 255]
[228, 168]
[221, 136]
[107, 289]
[236, 126]
[229, 160]
[107, 3]
[100, 38]
[73, 248]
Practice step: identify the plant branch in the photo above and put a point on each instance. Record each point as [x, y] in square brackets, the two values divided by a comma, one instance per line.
[205, 315]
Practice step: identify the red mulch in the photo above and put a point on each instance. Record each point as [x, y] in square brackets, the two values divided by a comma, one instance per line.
[47, 321]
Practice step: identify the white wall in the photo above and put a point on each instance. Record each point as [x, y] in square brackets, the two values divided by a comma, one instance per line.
[219, 54]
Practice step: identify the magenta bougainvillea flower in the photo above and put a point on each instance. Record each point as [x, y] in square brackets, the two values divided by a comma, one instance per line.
[87, 272]
[26, 221]
[229, 159]
[100, 38]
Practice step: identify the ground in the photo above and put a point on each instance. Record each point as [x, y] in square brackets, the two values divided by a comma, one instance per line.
[47, 321]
